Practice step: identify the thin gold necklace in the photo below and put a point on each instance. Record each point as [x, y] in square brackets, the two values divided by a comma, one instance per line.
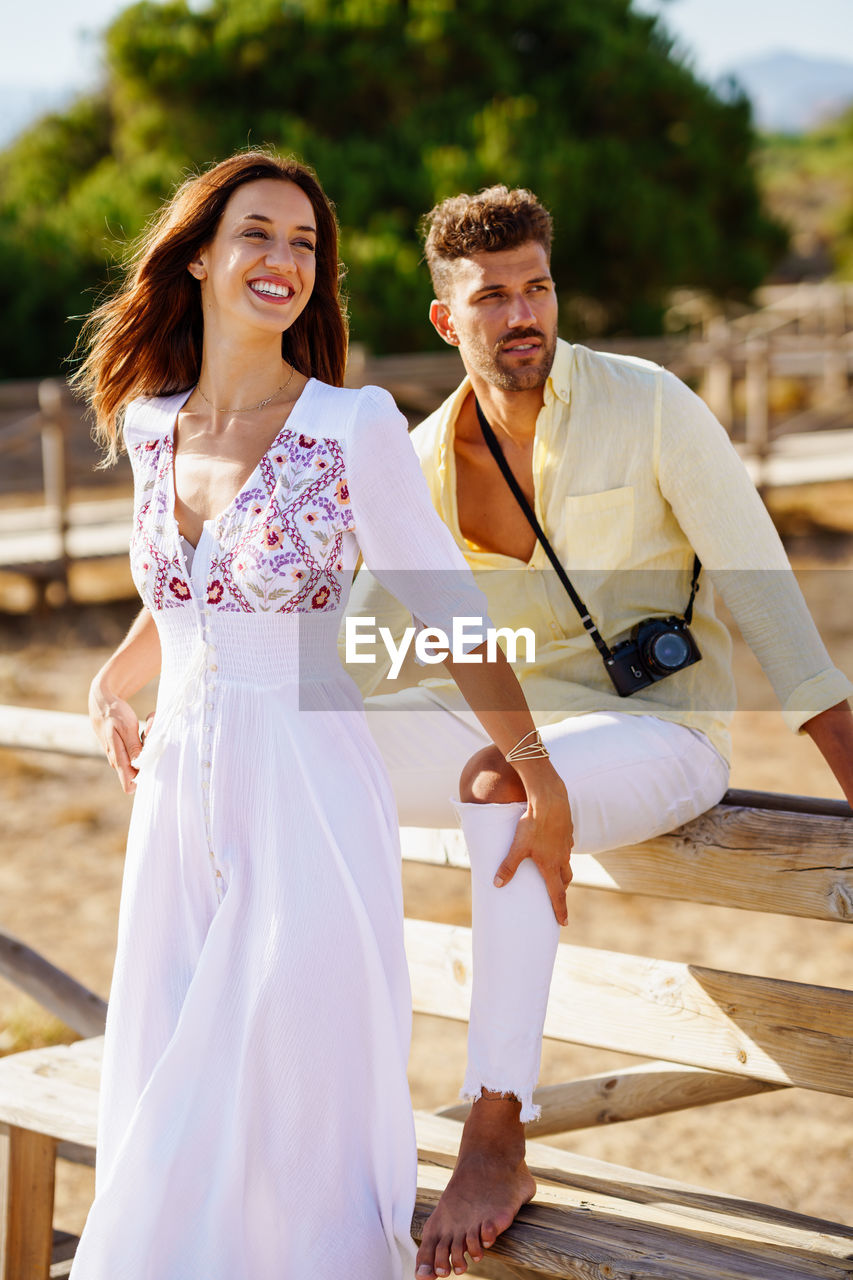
[249, 408]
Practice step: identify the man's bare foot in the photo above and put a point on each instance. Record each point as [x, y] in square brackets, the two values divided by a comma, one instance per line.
[489, 1185]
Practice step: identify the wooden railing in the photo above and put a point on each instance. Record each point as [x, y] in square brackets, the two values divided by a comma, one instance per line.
[709, 1035]
[50, 423]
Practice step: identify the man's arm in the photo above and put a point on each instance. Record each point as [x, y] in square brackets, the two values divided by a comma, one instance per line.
[832, 733]
[728, 526]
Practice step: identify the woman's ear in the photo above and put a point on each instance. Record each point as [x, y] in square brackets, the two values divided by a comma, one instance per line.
[197, 268]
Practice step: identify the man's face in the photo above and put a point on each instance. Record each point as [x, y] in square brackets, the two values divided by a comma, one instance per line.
[502, 314]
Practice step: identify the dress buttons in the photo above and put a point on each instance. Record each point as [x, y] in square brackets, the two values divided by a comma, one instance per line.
[531, 568]
[213, 667]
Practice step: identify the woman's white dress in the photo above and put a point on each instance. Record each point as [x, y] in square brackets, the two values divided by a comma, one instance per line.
[255, 1121]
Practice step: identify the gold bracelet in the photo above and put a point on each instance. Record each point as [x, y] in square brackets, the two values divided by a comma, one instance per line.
[524, 750]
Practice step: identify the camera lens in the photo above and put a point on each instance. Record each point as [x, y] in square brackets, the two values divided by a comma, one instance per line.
[669, 650]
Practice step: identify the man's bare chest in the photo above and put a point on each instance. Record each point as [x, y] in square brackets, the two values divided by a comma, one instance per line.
[489, 516]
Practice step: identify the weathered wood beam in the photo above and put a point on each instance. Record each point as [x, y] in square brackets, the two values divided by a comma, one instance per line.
[54, 1090]
[29, 1226]
[562, 1236]
[798, 864]
[39, 730]
[772, 1030]
[598, 1188]
[77, 1006]
[652, 1089]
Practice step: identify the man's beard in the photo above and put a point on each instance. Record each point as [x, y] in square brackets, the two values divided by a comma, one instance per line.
[489, 364]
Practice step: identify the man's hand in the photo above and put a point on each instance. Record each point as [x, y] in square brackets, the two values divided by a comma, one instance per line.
[544, 834]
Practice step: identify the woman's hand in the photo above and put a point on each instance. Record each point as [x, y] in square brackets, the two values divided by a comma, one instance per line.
[117, 727]
[544, 834]
[134, 663]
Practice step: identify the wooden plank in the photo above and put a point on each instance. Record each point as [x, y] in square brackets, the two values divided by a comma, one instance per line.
[794, 864]
[54, 1090]
[781, 1032]
[555, 1236]
[646, 1199]
[5, 1153]
[77, 1006]
[29, 1239]
[63, 731]
[76, 1153]
[654, 1088]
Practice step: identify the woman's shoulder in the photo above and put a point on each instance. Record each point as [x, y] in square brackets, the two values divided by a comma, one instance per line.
[353, 398]
[357, 412]
[151, 417]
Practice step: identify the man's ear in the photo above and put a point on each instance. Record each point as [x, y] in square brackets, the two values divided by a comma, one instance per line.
[442, 322]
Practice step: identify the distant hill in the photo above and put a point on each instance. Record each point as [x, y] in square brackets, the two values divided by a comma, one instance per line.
[791, 93]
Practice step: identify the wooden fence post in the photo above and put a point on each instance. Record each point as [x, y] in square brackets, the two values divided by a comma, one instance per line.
[53, 454]
[718, 376]
[757, 401]
[834, 380]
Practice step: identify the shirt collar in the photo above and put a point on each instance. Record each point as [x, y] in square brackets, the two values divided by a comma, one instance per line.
[558, 386]
[559, 382]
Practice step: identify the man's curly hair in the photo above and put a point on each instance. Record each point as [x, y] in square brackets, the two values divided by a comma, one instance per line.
[495, 218]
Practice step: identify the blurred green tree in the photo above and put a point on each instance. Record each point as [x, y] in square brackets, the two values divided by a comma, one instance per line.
[396, 103]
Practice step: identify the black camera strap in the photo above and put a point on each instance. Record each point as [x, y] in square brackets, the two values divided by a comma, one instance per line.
[518, 493]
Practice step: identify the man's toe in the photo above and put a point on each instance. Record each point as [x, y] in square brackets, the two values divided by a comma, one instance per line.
[488, 1233]
[457, 1256]
[442, 1257]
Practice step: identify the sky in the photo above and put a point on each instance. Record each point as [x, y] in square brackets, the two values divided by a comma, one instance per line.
[50, 45]
[721, 33]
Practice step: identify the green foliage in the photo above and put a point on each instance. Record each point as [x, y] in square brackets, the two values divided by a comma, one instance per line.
[808, 181]
[396, 103]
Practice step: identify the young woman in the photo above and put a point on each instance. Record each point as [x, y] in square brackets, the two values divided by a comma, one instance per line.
[255, 1122]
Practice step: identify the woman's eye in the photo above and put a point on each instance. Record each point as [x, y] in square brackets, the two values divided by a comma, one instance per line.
[256, 231]
[305, 244]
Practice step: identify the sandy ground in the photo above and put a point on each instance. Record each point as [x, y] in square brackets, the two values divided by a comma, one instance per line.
[64, 822]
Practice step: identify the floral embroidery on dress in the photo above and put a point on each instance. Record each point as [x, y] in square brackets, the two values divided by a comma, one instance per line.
[278, 543]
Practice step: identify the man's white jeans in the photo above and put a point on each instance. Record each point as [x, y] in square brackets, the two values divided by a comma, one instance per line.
[628, 778]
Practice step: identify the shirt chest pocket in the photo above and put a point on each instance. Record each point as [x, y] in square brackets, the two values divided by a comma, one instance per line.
[598, 530]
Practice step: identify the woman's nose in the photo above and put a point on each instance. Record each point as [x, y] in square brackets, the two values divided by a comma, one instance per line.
[280, 255]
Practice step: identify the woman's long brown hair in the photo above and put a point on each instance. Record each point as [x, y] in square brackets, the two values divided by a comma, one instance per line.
[147, 339]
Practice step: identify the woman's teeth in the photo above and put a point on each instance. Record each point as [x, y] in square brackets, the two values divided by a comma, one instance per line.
[272, 290]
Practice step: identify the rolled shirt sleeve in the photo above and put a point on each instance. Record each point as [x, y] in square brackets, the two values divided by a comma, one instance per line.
[727, 524]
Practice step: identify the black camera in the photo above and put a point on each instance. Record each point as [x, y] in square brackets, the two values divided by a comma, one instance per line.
[657, 648]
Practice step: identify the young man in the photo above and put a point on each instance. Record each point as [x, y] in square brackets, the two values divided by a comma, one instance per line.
[631, 478]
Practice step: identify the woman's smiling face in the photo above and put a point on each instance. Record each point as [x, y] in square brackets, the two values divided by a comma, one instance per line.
[259, 268]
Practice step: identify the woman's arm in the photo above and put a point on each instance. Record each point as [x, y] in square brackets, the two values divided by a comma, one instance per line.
[414, 556]
[544, 833]
[134, 663]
